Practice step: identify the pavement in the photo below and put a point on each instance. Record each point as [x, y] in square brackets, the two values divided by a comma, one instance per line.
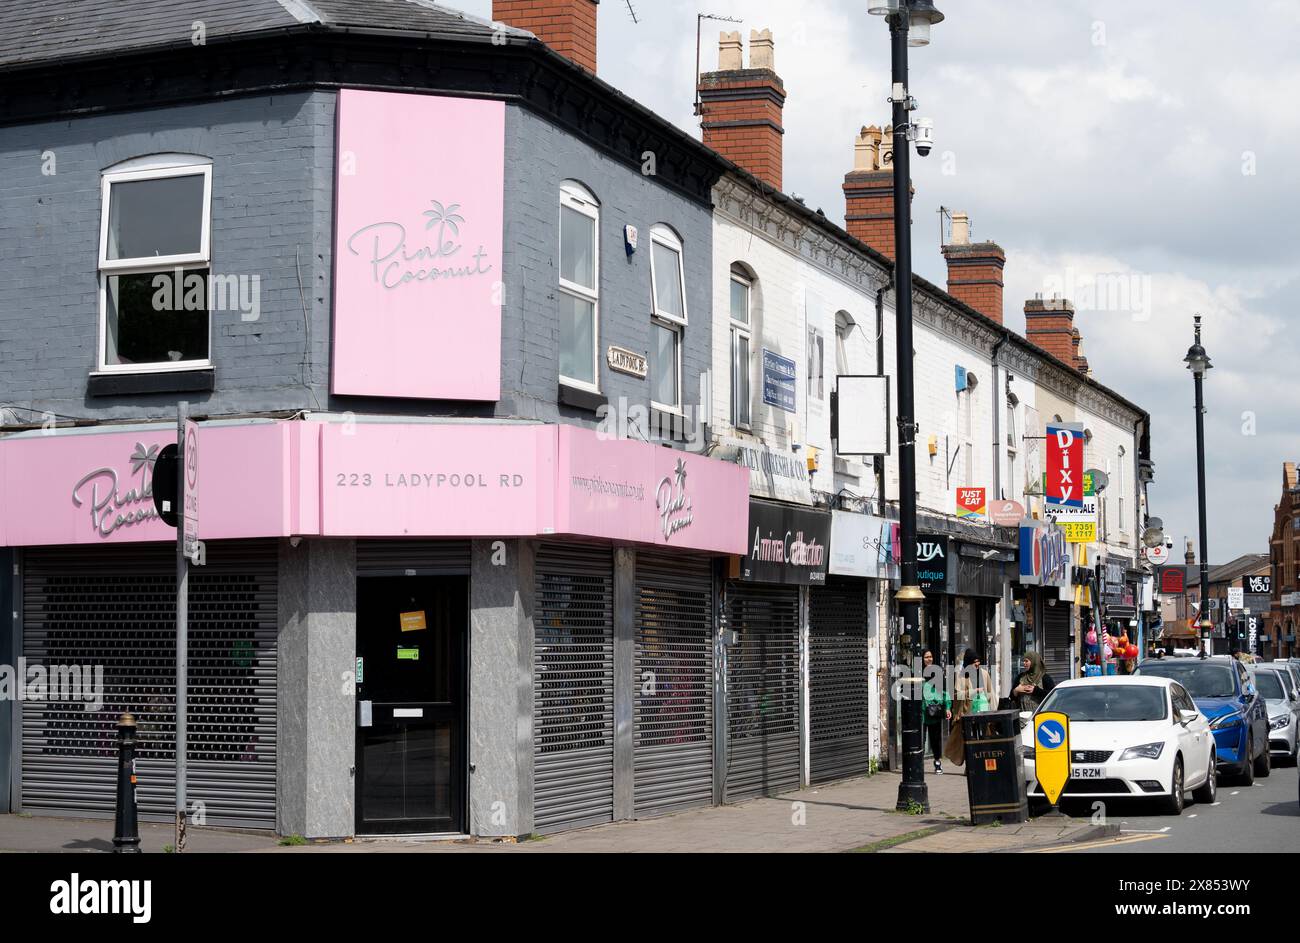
[853, 815]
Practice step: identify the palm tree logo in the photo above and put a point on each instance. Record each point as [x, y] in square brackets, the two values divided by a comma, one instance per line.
[444, 218]
[143, 459]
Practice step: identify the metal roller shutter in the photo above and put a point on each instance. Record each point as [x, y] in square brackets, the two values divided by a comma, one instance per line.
[1056, 641]
[412, 557]
[573, 688]
[839, 682]
[116, 608]
[762, 691]
[673, 752]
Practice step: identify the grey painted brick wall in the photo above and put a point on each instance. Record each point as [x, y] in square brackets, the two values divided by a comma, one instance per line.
[272, 216]
[539, 157]
[268, 189]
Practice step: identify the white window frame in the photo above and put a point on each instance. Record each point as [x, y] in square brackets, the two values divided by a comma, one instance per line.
[152, 169]
[668, 239]
[581, 200]
[741, 329]
[665, 237]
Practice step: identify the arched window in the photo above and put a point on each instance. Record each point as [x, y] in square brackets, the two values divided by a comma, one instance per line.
[742, 334]
[668, 321]
[154, 258]
[579, 295]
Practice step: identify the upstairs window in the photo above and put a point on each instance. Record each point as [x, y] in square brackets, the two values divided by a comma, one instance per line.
[579, 295]
[668, 318]
[154, 260]
[741, 341]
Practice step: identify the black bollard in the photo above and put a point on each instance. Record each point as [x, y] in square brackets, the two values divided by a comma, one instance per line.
[126, 837]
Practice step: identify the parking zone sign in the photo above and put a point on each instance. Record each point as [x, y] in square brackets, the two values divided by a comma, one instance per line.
[1052, 753]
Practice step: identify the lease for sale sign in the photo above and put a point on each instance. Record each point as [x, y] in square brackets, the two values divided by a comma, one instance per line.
[1065, 464]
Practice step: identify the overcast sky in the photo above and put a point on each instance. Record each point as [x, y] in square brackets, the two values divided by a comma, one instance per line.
[1156, 145]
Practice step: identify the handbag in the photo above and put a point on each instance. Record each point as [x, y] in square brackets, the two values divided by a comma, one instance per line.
[980, 702]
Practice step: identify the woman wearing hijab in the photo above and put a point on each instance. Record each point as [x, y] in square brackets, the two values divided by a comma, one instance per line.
[1032, 684]
[971, 696]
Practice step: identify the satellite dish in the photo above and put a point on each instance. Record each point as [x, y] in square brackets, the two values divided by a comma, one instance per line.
[1154, 535]
[1099, 480]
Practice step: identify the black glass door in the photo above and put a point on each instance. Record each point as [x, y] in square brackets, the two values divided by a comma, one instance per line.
[410, 703]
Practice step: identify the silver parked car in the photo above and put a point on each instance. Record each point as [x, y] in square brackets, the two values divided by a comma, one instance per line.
[1281, 694]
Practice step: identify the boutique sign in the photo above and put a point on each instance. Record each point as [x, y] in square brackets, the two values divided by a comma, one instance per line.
[418, 237]
[786, 545]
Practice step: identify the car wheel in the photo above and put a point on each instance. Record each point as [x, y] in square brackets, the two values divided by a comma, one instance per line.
[1173, 803]
[1206, 792]
[1247, 775]
[1263, 763]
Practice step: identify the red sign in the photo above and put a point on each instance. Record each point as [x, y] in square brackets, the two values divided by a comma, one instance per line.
[1171, 581]
[1006, 513]
[1065, 465]
[970, 503]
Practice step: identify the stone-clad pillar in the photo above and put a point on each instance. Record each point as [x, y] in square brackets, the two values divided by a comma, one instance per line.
[501, 688]
[317, 699]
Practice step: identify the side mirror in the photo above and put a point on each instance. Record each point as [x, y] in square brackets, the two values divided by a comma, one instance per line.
[1188, 716]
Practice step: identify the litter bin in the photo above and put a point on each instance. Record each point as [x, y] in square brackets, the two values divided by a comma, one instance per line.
[995, 773]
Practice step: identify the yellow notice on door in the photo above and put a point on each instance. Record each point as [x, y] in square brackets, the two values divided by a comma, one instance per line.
[414, 621]
[1052, 752]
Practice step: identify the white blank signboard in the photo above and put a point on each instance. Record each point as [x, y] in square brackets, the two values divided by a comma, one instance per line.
[863, 412]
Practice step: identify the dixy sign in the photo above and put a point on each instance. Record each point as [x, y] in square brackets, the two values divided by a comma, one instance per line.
[1065, 464]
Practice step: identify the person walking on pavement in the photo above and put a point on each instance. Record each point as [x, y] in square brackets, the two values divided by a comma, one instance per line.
[971, 697]
[936, 707]
[1032, 684]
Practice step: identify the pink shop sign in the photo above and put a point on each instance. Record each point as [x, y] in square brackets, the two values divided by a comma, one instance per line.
[626, 490]
[417, 255]
[437, 480]
[95, 488]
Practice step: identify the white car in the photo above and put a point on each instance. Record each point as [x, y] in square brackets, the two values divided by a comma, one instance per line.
[1278, 689]
[1130, 736]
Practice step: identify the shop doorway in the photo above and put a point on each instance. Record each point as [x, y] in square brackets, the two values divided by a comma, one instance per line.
[411, 704]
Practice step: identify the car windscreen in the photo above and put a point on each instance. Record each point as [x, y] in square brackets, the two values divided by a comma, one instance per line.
[1200, 679]
[1269, 684]
[1108, 702]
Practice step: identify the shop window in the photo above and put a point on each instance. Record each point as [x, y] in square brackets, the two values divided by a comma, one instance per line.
[154, 258]
[579, 295]
[742, 287]
[668, 318]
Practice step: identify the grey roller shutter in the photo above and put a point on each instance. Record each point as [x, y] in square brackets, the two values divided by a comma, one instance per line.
[1057, 658]
[762, 690]
[115, 607]
[839, 682]
[573, 687]
[412, 557]
[673, 752]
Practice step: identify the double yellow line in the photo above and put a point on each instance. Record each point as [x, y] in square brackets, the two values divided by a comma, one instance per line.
[1099, 843]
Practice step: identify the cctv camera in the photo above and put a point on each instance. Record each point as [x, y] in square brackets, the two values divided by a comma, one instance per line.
[923, 134]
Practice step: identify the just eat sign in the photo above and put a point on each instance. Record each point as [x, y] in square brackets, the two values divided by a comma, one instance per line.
[1065, 464]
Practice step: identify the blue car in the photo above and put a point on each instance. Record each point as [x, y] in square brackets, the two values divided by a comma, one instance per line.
[1238, 716]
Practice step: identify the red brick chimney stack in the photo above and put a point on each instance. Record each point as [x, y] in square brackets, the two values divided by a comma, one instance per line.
[869, 190]
[741, 109]
[975, 269]
[1049, 324]
[567, 26]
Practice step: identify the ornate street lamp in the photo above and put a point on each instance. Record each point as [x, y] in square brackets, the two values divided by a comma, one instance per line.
[1198, 361]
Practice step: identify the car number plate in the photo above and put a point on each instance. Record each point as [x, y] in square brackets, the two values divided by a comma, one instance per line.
[1087, 772]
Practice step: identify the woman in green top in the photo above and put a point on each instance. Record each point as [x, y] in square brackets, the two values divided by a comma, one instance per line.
[936, 707]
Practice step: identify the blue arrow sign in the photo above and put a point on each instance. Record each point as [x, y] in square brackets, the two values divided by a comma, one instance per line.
[1051, 735]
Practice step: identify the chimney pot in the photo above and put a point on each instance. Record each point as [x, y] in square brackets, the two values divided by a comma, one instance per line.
[731, 57]
[762, 54]
[960, 229]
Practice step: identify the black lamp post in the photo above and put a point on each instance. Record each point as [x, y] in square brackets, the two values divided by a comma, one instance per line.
[909, 25]
[1198, 361]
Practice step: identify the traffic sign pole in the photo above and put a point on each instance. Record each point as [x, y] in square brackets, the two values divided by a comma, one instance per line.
[182, 629]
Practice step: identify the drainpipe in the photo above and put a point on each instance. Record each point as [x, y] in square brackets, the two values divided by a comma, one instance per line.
[1002, 613]
[890, 726]
[880, 370]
